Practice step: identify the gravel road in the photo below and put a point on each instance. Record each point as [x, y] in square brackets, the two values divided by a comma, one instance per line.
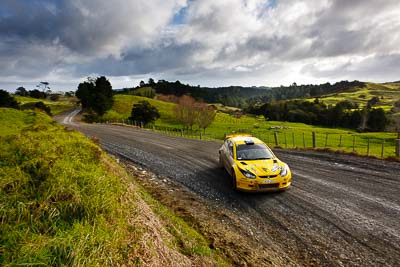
[340, 211]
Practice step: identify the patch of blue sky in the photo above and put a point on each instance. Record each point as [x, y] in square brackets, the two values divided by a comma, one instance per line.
[179, 17]
[268, 5]
[272, 3]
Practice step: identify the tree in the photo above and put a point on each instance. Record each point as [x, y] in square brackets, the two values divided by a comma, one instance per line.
[377, 120]
[84, 92]
[103, 96]
[43, 86]
[21, 91]
[185, 111]
[373, 101]
[7, 101]
[144, 112]
[142, 83]
[205, 116]
[151, 82]
[37, 94]
[95, 95]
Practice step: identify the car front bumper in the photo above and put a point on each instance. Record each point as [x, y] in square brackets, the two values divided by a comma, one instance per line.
[263, 185]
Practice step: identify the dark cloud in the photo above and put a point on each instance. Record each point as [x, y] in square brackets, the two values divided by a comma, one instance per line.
[215, 42]
[170, 57]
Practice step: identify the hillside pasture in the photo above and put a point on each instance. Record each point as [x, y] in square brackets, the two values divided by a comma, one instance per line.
[337, 140]
[387, 93]
[61, 105]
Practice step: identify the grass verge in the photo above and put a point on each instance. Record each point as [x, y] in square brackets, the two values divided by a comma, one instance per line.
[63, 201]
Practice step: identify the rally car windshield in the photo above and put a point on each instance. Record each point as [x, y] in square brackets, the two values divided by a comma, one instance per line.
[253, 152]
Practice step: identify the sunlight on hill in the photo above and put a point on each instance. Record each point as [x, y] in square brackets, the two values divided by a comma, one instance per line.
[388, 94]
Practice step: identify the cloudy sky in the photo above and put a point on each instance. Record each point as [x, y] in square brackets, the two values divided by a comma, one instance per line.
[205, 42]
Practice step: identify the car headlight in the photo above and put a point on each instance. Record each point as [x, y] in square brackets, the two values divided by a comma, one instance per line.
[284, 170]
[247, 174]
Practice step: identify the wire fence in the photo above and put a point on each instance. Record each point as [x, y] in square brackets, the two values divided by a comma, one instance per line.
[351, 143]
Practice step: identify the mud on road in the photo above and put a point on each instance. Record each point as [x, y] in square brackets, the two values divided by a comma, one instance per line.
[340, 211]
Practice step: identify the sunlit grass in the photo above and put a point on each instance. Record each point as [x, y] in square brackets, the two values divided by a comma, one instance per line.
[258, 126]
[388, 94]
[64, 202]
[61, 105]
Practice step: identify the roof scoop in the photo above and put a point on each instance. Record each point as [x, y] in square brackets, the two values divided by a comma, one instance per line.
[249, 142]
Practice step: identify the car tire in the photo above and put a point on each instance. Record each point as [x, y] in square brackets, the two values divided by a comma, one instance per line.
[220, 163]
[234, 184]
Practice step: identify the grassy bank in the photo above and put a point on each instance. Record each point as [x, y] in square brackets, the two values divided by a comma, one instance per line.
[289, 134]
[61, 105]
[64, 202]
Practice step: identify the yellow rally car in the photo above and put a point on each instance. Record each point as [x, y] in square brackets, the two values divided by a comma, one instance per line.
[252, 165]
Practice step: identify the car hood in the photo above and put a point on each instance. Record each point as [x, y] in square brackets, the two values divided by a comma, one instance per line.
[262, 167]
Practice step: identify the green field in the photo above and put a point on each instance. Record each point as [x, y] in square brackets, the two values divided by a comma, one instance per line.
[338, 139]
[61, 105]
[64, 202]
[388, 94]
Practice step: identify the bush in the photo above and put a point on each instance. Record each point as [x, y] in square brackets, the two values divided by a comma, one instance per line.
[54, 97]
[37, 105]
[7, 101]
[144, 112]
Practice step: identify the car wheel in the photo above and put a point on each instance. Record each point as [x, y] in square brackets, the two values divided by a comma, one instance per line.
[234, 185]
[221, 164]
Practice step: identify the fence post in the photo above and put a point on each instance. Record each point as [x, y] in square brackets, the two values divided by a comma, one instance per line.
[276, 138]
[397, 142]
[340, 141]
[354, 143]
[368, 141]
[383, 148]
[313, 140]
[200, 135]
[304, 141]
[293, 139]
[326, 140]
[284, 134]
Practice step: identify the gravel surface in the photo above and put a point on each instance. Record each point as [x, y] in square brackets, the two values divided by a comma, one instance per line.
[340, 211]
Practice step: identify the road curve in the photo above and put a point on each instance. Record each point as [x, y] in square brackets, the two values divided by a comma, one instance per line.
[340, 211]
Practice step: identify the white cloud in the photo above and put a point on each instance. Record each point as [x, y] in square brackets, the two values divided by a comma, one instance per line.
[216, 42]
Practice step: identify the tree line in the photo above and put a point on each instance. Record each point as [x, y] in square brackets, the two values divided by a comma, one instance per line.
[35, 93]
[8, 101]
[305, 91]
[242, 97]
[344, 114]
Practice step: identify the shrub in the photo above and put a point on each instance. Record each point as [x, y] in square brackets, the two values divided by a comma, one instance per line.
[144, 112]
[7, 101]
